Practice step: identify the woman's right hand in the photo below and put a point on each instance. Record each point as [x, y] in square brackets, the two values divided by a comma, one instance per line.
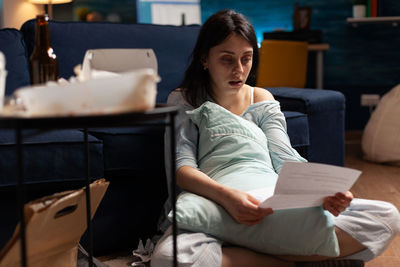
[244, 208]
[240, 205]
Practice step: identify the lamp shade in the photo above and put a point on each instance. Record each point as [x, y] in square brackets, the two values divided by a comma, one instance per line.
[50, 1]
[50, 4]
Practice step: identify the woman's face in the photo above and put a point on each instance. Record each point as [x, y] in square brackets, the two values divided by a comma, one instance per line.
[229, 64]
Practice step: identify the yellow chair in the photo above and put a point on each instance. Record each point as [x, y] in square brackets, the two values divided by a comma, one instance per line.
[282, 63]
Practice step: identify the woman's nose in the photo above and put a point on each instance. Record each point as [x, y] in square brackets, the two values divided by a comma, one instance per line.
[238, 67]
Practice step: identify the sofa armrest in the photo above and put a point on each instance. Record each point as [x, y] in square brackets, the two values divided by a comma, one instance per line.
[325, 110]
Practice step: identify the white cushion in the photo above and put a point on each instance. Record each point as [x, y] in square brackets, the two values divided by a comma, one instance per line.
[381, 138]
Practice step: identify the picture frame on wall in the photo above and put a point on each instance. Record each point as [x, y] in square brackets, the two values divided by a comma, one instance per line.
[301, 18]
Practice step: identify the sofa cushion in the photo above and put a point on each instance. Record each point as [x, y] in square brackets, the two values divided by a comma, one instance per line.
[49, 156]
[325, 111]
[297, 128]
[137, 149]
[171, 44]
[13, 47]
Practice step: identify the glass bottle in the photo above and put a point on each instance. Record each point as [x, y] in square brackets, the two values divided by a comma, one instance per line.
[43, 61]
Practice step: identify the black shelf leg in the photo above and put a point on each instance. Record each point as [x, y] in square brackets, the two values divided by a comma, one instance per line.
[88, 207]
[171, 119]
[21, 195]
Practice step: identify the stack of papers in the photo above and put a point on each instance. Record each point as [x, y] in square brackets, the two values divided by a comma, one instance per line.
[302, 185]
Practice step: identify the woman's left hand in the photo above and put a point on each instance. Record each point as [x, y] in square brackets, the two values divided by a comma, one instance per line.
[337, 203]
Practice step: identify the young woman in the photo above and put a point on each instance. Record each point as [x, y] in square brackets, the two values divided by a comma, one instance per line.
[224, 61]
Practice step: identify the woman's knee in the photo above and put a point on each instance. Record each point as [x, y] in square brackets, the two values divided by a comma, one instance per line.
[381, 212]
[373, 223]
[389, 215]
[393, 216]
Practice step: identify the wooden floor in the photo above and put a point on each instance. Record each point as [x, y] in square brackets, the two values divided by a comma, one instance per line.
[377, 181]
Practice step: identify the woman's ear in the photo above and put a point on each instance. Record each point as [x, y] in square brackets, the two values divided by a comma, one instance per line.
[204, 63]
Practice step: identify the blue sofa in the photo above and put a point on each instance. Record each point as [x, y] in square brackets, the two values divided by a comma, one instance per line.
[131, 158]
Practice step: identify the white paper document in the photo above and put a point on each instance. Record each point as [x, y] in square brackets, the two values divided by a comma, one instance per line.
[302, 185]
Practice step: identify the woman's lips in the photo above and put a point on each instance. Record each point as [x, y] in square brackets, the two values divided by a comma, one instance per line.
[235, 83]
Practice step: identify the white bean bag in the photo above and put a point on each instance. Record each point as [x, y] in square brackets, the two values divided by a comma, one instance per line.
[381, 138]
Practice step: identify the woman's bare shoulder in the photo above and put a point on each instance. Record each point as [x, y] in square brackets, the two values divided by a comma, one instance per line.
[261, 94]
[176, 97]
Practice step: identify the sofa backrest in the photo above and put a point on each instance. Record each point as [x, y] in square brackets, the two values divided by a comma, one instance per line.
[171, 44]
[13, 47]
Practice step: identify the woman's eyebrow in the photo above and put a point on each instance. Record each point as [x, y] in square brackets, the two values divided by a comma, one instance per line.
[250, 52]
[227, 52]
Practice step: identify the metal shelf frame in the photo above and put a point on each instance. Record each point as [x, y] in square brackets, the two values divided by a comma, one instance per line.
[355, 22]
[161, 116]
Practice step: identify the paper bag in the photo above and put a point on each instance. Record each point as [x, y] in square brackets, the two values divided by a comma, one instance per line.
[54, 226]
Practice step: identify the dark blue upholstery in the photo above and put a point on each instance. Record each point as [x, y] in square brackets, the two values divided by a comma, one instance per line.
[297, 128]
[325, 111]
[49, 156]
[132, 159]
[122, 153]
[13, 47]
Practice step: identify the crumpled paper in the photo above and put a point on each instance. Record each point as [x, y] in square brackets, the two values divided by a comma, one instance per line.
[109, 81]
[126, 92]
[143, 253]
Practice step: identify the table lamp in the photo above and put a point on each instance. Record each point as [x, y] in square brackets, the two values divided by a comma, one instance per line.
[50, 4]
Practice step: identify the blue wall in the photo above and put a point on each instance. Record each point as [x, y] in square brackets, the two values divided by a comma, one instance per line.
[126, 9]
[361, 60]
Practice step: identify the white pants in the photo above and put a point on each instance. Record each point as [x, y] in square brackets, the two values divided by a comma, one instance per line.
[372, 223]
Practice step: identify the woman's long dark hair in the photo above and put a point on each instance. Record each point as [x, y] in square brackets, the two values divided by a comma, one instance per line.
[215, 30]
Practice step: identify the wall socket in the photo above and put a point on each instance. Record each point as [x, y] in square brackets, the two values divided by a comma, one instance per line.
[370, 100]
